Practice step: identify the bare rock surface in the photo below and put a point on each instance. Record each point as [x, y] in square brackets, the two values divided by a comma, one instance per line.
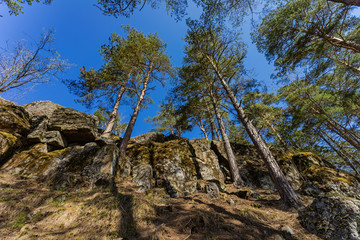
[13, 118]
[41, 108]
[332, 218]
[74, 125]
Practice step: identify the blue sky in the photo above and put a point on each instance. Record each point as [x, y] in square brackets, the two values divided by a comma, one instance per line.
[80, 30]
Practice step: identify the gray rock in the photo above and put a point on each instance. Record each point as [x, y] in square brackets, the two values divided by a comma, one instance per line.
[212, 190]
[8, 143]
[248, 194]
[41, 108]
[39, 126]
[287, 229]
[13, 118]
[332, 218]
[231, 202]
[310, 189]
[126, 169]
[75, 126]
[171, 189]
[99, 172]
[54, 138]
[206, 160]
[142, 175]
[190, 187]
[148, 138]
[278, 237]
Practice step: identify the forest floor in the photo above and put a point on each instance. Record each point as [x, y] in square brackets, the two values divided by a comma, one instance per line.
[30, 210]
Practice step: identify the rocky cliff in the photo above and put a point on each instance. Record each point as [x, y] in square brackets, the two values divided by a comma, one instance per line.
[60, 149]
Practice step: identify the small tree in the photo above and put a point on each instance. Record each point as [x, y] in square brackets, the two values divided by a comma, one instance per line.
[110, 82]
[166, 120]
[150, 62]
[104, 115]
[25, 65]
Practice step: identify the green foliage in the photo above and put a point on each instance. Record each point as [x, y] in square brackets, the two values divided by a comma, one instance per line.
[320, 35]
[126, 8]
[212, 9]
[166, 120]
[104, 115]
[16, 6]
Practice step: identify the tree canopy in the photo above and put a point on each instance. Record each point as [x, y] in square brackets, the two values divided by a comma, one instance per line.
[16, 6]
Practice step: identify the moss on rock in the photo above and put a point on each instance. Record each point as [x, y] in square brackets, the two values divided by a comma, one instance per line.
[14, 119]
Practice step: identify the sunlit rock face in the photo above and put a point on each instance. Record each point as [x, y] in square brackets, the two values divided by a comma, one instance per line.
[61, 146]
[13, 118]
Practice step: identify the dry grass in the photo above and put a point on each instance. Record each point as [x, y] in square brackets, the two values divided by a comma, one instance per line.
[29, 210]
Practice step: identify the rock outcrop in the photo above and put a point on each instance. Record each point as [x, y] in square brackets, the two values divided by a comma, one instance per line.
[61, 146]
[333, 218]
[75, 126]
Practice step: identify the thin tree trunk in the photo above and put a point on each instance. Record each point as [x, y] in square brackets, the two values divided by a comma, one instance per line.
[284, 188]
[337, 127]
[234, 169]
[273, 129]
[343, 134]
[338, 150]
[202, 128]
[212, 123]
[172, 129]
[130, 127]
[112, 118]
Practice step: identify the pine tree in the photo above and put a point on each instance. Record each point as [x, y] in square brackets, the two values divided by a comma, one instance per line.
[224, 55]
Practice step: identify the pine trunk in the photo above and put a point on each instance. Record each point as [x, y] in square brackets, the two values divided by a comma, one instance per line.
[212, 122]
[234, 169]
[112, 118]
[130, 127]
[343, 134]
[342, 153]
[273, 129]
[202, 128]
[284, 188]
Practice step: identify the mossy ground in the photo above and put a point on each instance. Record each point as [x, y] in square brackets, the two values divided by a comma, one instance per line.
[29, 210]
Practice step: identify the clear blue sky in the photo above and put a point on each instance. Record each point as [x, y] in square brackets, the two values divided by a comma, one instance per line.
[80, 30]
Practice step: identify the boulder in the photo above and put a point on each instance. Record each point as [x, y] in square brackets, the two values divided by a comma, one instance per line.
[212, 190]
[248, 194]
[304, 160]
[39, 126]
[142, 175]
[41, 108]
[74, 125]
[13, 118]
[148, 138]
[100, 169]
[321, 179]
[54, 138]
[8, 144]
[206, 160]
[333, 217]
[331, 181]
[172, 163]
[252, 169]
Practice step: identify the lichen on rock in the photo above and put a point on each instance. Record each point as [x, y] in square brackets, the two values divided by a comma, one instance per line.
[332, 218]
